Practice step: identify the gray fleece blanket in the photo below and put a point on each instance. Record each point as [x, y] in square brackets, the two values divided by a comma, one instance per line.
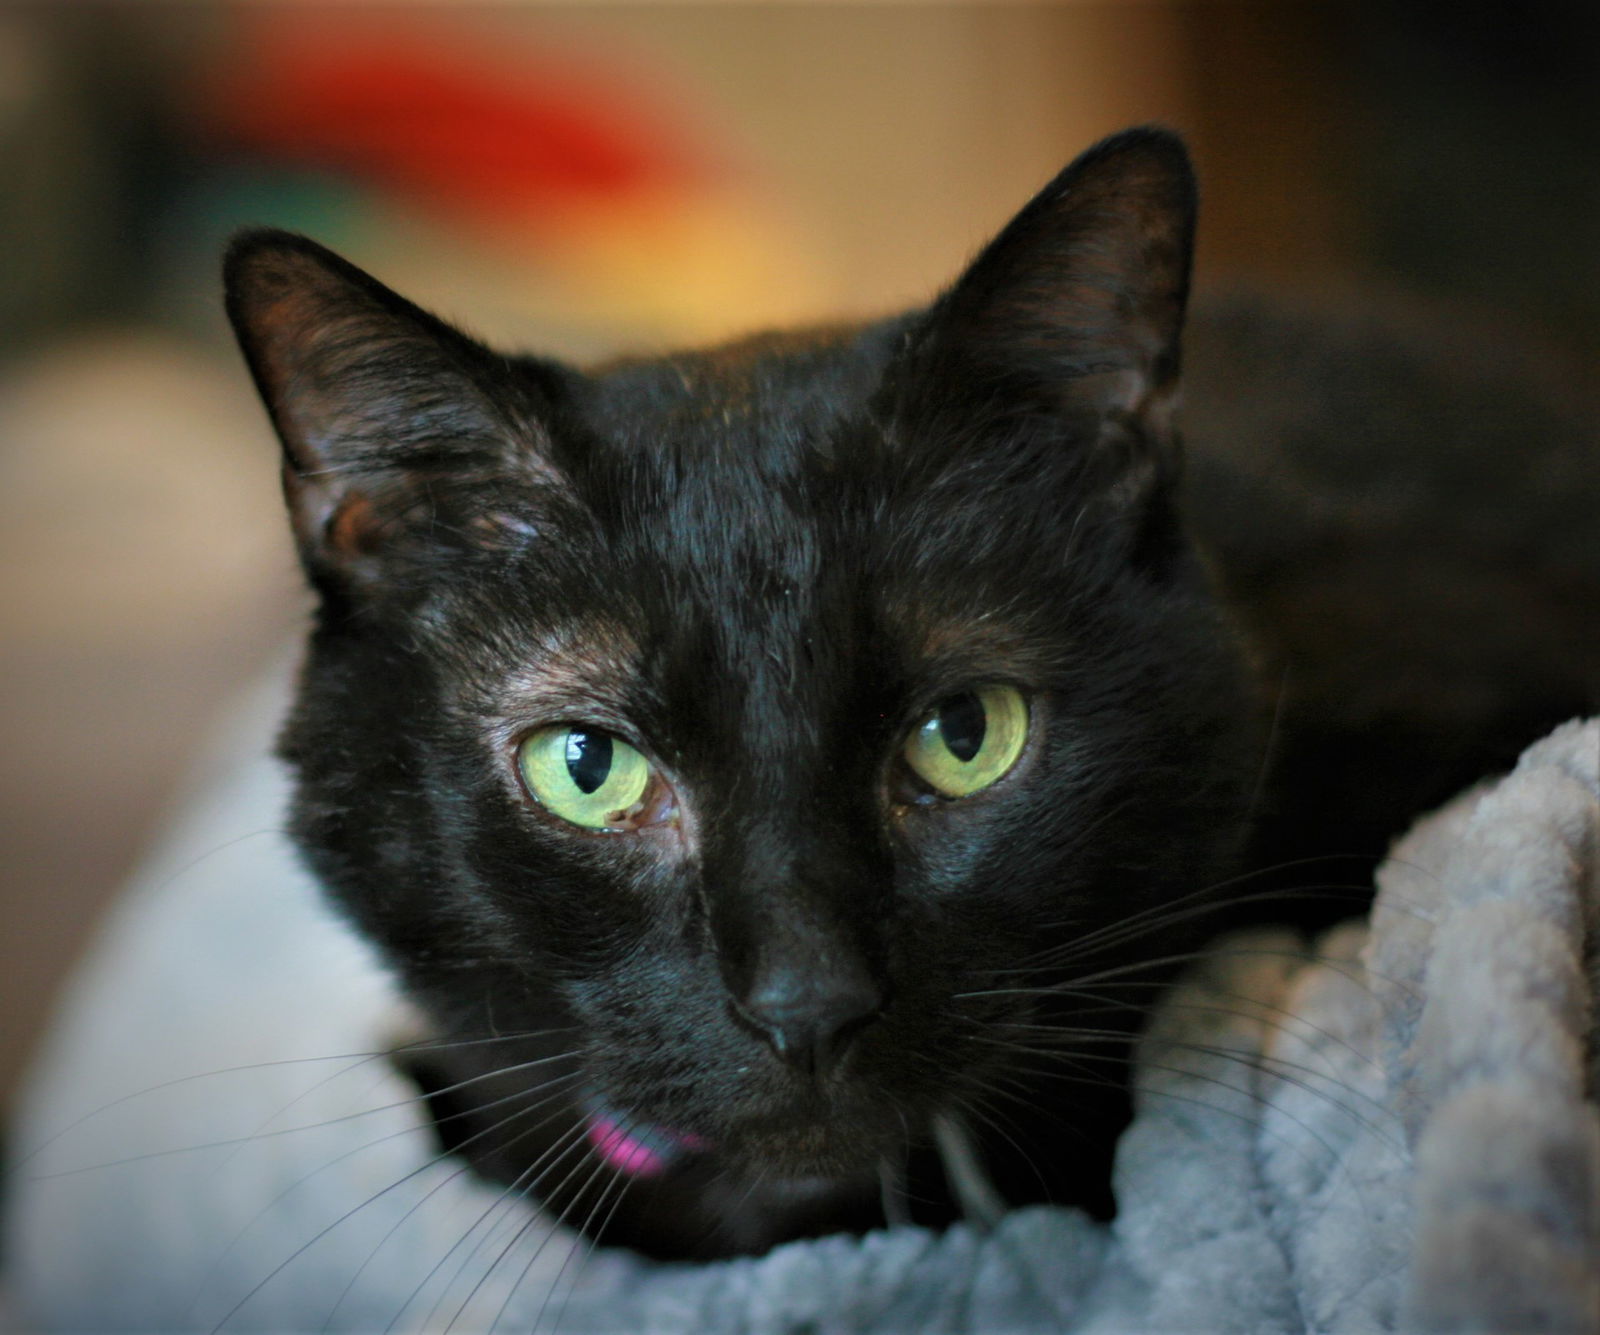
[1395, 1129]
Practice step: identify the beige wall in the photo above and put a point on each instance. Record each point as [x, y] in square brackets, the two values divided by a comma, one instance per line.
[898, 138]
[871, 148]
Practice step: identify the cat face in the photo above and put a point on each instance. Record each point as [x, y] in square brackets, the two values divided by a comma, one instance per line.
[777, 724]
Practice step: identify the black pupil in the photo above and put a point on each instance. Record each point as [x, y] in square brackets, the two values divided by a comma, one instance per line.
[588, 759]
[962, 724]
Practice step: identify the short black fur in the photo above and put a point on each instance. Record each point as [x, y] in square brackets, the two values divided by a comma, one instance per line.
[762, 566]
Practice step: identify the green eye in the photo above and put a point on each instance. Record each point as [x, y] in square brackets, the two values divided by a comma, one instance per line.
[970, 741]
[584, 775]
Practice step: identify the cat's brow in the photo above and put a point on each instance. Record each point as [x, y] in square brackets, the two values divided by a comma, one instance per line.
[585, 668]
[959, 642]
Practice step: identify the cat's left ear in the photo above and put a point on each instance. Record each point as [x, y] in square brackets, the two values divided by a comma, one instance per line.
[1072, 315]
[385, 413]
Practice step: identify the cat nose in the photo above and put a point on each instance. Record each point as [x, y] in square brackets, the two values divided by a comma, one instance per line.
[810, 1016]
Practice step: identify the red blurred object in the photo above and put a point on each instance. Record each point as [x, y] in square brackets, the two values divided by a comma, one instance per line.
[431, 116]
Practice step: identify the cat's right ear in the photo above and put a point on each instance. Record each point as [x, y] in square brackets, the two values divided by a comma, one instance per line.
[384, 411]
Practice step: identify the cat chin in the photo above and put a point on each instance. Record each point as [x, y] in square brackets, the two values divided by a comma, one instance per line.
[816, 1150]
[800, 1136]
[810, 1167]
[798, 1150]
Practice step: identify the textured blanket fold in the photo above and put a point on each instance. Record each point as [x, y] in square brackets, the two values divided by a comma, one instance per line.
[1393, 1130]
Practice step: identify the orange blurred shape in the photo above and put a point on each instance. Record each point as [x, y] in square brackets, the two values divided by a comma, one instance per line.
[430, 115]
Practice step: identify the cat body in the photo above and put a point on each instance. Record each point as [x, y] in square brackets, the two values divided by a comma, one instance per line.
[942, 742]
[1401, 514]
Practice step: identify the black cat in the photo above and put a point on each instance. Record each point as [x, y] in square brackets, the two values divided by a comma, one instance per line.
[784, 773]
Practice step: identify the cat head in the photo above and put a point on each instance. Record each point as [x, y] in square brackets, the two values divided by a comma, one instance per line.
[746, 714]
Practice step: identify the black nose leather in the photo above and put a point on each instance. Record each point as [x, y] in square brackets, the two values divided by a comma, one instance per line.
[810, 1015]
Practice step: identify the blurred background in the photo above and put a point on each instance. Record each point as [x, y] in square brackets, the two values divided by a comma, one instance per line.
[582, 178]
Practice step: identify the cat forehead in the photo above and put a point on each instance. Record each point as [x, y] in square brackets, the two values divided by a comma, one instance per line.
[786, 392]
